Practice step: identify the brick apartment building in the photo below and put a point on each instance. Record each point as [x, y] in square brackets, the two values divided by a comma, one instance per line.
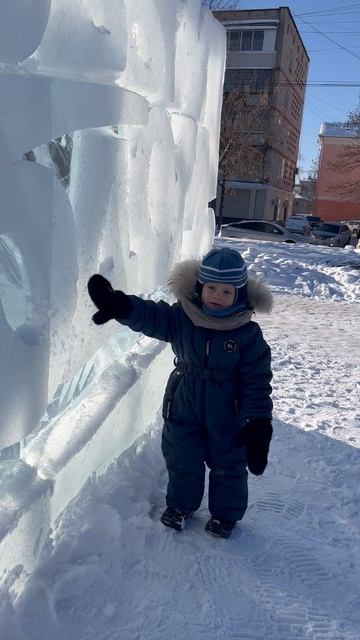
[330, 205]
[266, 53]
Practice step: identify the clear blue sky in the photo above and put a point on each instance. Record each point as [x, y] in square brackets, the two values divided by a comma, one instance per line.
[317, 22]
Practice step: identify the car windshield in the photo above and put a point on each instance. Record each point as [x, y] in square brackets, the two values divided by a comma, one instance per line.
[334, 228]
[244, 224]
[232, 224]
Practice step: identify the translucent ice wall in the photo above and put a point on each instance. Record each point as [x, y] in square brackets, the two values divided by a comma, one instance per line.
[131, 91]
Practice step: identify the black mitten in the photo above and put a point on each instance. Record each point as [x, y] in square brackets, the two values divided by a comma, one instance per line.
[111, 304]
[256, 436]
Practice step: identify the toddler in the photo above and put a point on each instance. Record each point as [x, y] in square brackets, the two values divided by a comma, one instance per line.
[217, 408]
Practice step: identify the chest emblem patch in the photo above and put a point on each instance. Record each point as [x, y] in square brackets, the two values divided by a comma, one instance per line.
[230, 346]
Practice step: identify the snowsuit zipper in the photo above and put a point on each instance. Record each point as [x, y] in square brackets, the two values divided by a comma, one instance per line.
[167, 412]
[236, 407]
[168, 401]
[207, 351]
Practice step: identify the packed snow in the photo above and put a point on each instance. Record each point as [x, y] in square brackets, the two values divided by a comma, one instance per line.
[291, 570]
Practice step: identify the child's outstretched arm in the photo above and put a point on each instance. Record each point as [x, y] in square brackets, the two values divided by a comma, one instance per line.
[153, 319]
[111, 304]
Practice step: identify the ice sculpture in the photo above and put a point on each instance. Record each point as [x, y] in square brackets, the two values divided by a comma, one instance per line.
[135, 86]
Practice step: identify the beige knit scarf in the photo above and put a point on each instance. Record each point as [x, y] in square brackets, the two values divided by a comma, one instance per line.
[200, 319]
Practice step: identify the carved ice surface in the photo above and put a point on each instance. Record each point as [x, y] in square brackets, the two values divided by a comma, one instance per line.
[132, 92]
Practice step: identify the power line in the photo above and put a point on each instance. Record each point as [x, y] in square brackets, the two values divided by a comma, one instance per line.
[317, 83]
[335, 10]
[337, 22]
[313, 109]
[318, 50]
[344, 33]
[329, 105]
[331, 15]
[330, 90]
[310, 83]
[322, 83]
[330, 39]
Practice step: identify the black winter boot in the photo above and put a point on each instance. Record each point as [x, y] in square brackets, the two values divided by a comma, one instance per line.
[175, 518]
[219, 527]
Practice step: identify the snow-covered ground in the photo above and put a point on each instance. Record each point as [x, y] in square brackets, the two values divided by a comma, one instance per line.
[291, 571]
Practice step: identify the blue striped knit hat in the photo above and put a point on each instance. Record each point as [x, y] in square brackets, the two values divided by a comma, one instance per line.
[225, 266]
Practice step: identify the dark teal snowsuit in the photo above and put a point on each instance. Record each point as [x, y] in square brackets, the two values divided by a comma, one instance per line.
[222, 379]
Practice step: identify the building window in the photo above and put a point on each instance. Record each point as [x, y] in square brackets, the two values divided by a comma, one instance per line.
[233, 40]
[245, 40]
[253, 79]
[258, 41]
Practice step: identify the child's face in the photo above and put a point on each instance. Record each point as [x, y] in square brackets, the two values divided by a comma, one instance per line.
[218, 296]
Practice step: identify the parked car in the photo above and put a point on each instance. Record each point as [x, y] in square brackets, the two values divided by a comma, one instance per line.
[298, 224]
[332, 234]
[314, 221]
[258, 230]
[352, 224]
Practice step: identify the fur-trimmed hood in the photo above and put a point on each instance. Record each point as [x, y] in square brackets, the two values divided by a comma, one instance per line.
[183, 278]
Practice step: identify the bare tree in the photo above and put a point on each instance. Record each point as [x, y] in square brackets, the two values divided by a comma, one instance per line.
[313, 173]
[219, 5]
[245, 136]
[353, 119]
[347, 163]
